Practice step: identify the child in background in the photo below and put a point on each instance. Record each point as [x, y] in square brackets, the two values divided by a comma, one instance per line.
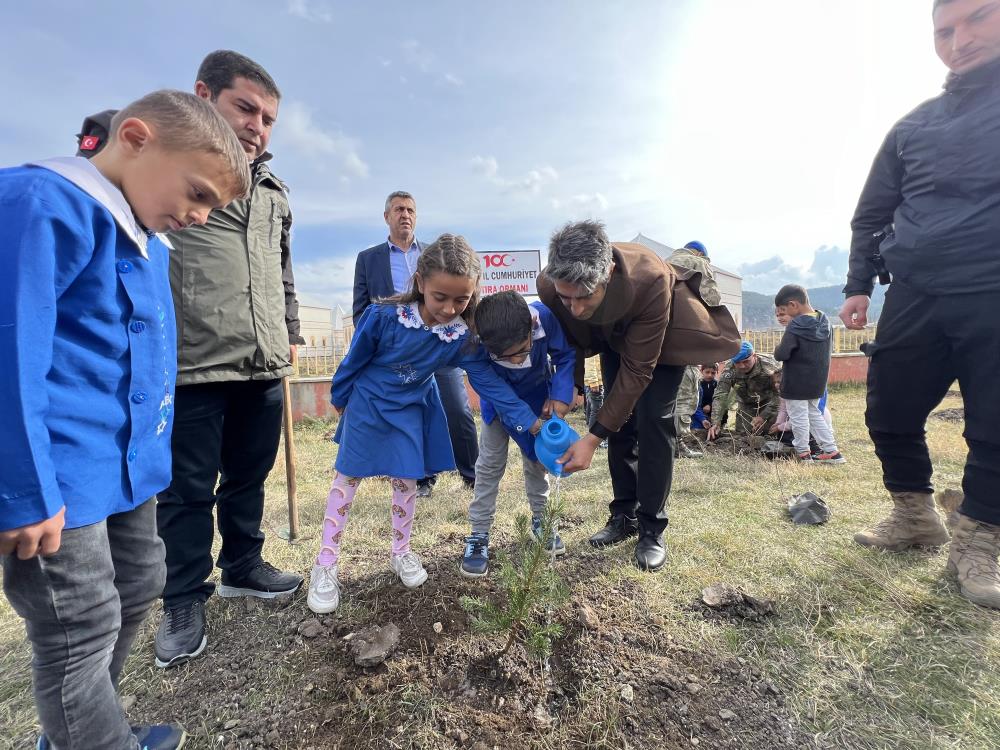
[782, 426]
[686, 404]
[702, 418]
[805, 349]
[529, 351]
[88, 338]
[392, 421]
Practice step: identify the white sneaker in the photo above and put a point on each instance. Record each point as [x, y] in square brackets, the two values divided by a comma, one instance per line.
[407, 566]
[324, 589]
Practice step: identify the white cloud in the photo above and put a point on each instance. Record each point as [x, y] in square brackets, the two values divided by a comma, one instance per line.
[593, 202]
[303, 134]
[420, 60]
[327, 283]
[828, 267]
[310, 11]
[530, 184]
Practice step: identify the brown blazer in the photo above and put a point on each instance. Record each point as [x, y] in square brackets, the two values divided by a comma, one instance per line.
[650, 316]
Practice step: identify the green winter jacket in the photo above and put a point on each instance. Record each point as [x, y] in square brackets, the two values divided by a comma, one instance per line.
[233, 288]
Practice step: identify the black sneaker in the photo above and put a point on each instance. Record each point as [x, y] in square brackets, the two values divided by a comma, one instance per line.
[181, 635]
[476, 558]
[618, 529]
[263, 581]
[150, 737]
[425, 488]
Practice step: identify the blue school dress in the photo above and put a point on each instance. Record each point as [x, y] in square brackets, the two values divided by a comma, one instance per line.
[394, 423]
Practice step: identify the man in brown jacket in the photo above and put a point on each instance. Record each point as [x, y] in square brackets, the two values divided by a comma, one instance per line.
[616, 301]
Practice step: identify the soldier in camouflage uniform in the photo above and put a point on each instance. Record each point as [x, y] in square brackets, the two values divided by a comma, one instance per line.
[686, 405]
[694, 257]
[748, 379]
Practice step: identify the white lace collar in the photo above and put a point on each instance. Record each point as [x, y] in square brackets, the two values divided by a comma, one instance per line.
[409, 316]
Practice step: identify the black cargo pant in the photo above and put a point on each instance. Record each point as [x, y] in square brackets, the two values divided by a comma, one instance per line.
[229, 428]
[641, 453]
[923, 344]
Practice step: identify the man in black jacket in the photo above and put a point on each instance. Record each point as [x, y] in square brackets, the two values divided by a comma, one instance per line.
[935, 189]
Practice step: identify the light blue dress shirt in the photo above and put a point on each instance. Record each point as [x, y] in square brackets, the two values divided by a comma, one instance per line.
[403, 265]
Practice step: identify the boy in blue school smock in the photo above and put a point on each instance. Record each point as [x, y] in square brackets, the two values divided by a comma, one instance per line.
[88, 341]
[529, 351]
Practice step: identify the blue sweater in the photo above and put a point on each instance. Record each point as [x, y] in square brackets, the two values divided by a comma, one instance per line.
[549, 374]
[88, 345]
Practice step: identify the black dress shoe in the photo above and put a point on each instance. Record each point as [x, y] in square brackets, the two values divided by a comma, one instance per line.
[618, 529]
[650, 551]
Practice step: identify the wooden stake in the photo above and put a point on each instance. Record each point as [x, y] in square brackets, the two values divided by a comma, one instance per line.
[293, 502]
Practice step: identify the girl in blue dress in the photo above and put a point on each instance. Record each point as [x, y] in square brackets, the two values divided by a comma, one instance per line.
[392, 422]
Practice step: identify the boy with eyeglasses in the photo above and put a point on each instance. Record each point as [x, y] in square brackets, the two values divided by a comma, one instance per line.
[529, 351]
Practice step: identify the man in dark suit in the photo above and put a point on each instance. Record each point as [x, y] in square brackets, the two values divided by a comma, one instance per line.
[387, 269]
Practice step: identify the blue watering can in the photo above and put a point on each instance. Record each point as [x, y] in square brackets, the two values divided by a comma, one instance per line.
[554, 439]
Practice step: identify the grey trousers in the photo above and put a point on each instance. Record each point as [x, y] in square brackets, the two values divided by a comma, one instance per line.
[82, 608]
[490, 467]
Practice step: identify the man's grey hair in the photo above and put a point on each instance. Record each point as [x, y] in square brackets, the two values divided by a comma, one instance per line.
[398, 194]
[580, 254]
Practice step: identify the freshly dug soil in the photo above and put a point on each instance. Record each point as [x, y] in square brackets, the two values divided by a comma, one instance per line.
[276, 676]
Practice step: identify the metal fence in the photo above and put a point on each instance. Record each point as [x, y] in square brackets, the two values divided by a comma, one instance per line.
[845, 341]
[315, 361]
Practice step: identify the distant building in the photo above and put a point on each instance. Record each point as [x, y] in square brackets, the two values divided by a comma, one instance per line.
[317, 326]
[730, 284]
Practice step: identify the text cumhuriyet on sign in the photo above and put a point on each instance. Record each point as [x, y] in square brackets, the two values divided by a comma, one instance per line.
[514, 270]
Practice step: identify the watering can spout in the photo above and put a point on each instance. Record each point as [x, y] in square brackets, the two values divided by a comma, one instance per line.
[554, 439]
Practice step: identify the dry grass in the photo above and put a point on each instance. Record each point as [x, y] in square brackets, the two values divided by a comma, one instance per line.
[871, 650]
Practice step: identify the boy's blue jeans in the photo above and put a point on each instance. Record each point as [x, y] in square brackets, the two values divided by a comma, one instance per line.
[82, 607]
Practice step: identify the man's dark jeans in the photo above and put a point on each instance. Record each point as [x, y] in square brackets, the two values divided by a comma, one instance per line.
[82, 607]
[461, 424]
[641, 454]
[923, 344]
[229, 428]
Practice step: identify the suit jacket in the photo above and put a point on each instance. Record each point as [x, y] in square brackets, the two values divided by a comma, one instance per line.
[649, 317]
[373, 277]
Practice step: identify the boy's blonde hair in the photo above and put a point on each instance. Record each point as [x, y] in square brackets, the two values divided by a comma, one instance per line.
[185, 122]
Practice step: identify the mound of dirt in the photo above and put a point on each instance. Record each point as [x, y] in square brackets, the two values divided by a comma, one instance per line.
[276, 676]
[729, 443]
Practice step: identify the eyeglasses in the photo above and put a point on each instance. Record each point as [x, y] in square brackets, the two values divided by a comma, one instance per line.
[508, 357]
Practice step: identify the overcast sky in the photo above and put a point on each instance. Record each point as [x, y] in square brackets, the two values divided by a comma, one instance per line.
[748, 126]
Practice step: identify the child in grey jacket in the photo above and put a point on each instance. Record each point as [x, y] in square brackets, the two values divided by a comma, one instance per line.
[805, 351]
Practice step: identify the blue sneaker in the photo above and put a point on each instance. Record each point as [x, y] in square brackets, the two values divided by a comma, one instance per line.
[555, 543]
[150, 737]
[476, 558]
